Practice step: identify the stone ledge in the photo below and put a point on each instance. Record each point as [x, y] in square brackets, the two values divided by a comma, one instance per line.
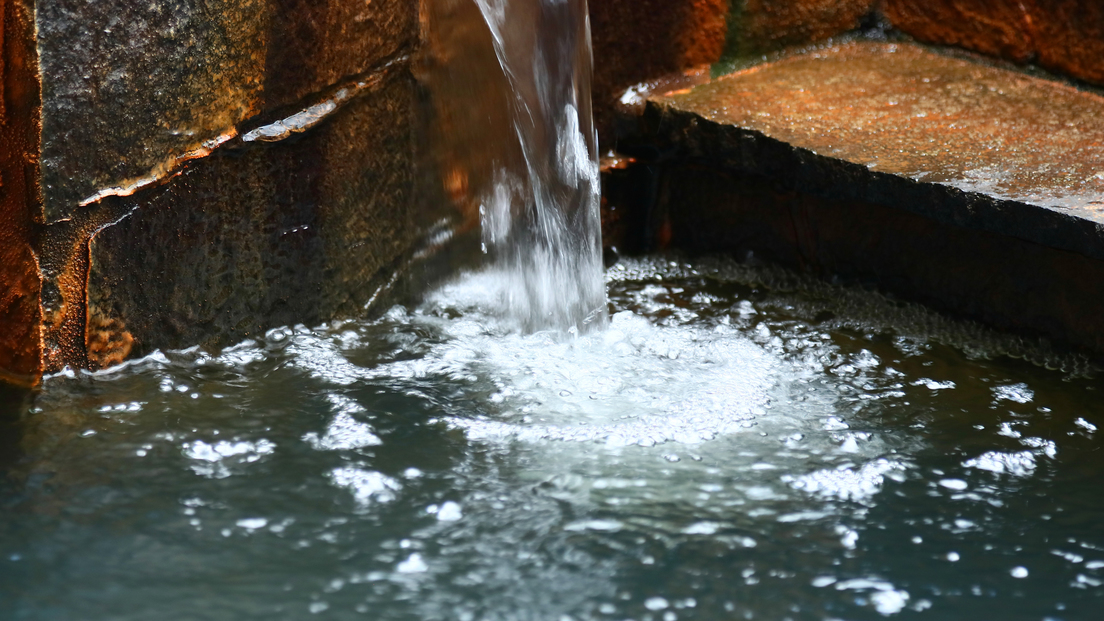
[968, 187]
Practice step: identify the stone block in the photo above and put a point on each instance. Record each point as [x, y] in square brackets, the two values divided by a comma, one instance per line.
[1066, 36]
[129, 87]
[130, 90]
[637, 40]
[257, 236]
[970, 188]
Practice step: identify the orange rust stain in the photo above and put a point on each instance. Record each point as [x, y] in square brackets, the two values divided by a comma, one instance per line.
[20, 205]
[66, 259]
[107, 340]
[994, 27]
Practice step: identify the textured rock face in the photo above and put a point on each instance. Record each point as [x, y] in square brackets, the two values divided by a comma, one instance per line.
[214, 169]
[1066, 36]
[20, 283]
[128, 86]
[260, 236]
[902, 110]
[131, 88]
[759, 26]
[966, 187]
[664, 35]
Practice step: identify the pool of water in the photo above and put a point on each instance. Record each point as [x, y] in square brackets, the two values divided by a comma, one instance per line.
[738, 444]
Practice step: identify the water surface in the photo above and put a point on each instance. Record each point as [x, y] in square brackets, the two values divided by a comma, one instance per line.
[725, 450]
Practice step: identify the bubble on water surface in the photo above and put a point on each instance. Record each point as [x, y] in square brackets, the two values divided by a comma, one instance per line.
[412, 565]
[214, 460]
[449, 512]
[846, 483]
[344, 432]
[1018, 393]
[367, 486]
[1018, 464]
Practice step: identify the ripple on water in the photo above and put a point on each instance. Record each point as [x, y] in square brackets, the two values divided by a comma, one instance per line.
[720, 452]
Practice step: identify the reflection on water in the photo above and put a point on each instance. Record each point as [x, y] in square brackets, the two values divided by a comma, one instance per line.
[722, 451]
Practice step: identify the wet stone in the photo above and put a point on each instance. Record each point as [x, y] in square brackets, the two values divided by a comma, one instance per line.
[127, 87]
[957, 184]
[962, 142]
[902, 110]
[1066, 36]
[643, 40]
[255, 237]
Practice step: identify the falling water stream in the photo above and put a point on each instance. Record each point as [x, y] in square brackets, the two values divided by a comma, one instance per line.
[738, 442]
[543, 224]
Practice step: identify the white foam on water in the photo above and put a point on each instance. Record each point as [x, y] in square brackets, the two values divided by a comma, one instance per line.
[344, 432]
[367, 486]
[633, 384]
[847, 483]
[215, 460]
[1020, 464]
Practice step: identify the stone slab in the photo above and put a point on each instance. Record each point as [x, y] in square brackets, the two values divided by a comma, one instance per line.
[312, 44]
[959, 141]
[127, 86]
[763, 26]
[962, 185]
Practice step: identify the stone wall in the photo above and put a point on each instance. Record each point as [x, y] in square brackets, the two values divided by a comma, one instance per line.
[1064, 36]
[208, 171]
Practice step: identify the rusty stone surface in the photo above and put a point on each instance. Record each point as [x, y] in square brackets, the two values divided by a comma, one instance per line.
[129, 86]
[129, 89]
[20, 206]
[1066, 36]
[924, 119]
[968, 188]
[313, 44]
[258, 236]
[639, 41]
[760, 26]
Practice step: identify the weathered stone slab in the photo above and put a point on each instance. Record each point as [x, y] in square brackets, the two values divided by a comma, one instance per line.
[261, 235]
[1066, 36]
[964, 186]
[636, 40]
[130, 90]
